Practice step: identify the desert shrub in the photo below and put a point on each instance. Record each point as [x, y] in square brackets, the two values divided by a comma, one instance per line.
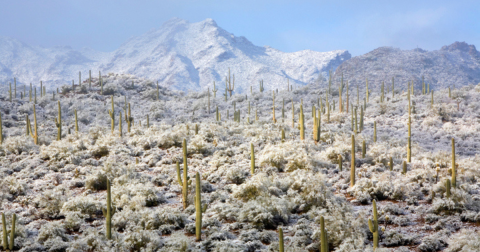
[135, 195]
[308, 190]
[464, 241]
[97, 181]
[393, 238]
[100, 151]
[52, 230]
[17, 145]
[141, 240]
[91, 239]
[236, 175]
[83, 204]
[50, 202]
[265, 213]
[253, 188]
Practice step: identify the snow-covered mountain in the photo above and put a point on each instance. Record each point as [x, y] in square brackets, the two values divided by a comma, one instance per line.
[181, 55]
[457, 65]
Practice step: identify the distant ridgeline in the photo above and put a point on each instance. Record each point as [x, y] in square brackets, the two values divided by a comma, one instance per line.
[454, 65]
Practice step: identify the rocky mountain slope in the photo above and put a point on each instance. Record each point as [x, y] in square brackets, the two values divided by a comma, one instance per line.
[57, 189]
[457, 64]
[179, 54]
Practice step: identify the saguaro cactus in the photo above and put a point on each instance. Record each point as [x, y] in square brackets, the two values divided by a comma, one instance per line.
[280, 240]
[109, 212]
[283, 135]
[373, 225]
[340, 162]
[120, 124]
[214, 90]
[448, 188]
[58, 122]
[409, 149]
[6, 244]
[186, 180]
[323, 235]
[76, 121]
[364, 149]
[129, 118]
[352, 165]
[302, 124]
[34, 135]
[101, 82]
[273, 107]
[111, 112]
[198, 208]
[252, 159]
[404, 167]
[454, 170]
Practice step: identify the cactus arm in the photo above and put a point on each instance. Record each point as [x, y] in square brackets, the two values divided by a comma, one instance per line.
[179, 177]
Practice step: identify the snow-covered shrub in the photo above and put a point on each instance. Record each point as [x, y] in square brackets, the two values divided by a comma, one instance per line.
[97, 181]
[141, 240]
[82, 204]
[265, 213]
[52, 230]
[135, 195]
[464, 241]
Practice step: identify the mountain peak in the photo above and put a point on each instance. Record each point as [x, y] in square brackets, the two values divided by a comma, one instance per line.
[461, 46]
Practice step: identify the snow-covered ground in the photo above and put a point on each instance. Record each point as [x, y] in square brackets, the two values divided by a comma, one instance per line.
[57, 189]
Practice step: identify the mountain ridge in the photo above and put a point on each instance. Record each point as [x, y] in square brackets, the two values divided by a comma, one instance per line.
[179, 54]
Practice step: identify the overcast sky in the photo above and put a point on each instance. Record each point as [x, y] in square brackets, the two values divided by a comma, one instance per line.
[358, 26]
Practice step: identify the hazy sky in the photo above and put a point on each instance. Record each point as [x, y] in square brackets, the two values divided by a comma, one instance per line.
[358, 26]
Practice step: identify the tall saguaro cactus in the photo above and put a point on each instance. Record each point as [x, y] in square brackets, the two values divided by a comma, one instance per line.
[109, 212]
[76, 121]
[280, 240]
[186, 180]
[352, 165]
[58, 122]
[302, 123]
[454, 170]
[120, 124]
[128, 118]
[373, 225]
[6, 245]
[34, 135]
[252, 159]
[323, 236]
[198, 207]
[112, 116]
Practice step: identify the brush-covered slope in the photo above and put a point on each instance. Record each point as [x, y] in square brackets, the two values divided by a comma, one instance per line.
[457, 64]
[179, 54]
[57, 188]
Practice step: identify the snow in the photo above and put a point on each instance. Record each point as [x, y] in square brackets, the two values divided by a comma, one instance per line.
[181, 55]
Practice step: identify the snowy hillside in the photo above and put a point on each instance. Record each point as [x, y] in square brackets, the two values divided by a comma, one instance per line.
[457, 65]
[179, 54]
[57, 189]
